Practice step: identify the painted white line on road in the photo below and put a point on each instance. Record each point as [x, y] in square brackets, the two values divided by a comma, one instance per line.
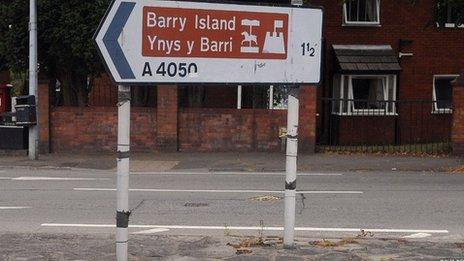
[57, 179]
[418, 235]
[5, 178]
[232, 173]
[13, 208]
[151, 231]
[304, 229]
[224, 191]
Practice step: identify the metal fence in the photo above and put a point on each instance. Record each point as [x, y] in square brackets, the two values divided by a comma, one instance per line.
[413, 126]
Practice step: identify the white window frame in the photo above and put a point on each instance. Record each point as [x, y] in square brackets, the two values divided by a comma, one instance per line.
[360, 23]
[351, 110]
[270, 96]
[451, 25]
[271, 100]
[435, 109]
[239, 97]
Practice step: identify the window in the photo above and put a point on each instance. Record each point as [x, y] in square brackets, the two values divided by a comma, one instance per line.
[451, 17]
[364, 95]
[367, 92]
[361, 12]
[207, 96]
[279, 95]
[246, 96]
[448, 16]
[262, 97]
[443, 93]
[254, 97]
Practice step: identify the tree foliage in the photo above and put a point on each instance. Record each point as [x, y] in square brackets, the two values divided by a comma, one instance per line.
[66, 49]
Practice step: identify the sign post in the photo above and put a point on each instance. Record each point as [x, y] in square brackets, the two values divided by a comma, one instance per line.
[123, 213]
[170, 42]
[291, 167]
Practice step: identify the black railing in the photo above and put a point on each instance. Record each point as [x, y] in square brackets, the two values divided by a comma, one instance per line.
[384, 126]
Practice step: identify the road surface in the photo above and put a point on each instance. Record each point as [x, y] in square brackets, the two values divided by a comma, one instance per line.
[80, 201]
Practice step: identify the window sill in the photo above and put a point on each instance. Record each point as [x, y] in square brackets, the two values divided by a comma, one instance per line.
[361, 24]
[451, 26]
[361, 114]
[443, 111]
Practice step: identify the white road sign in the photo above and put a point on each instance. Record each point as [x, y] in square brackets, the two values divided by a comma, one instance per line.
[152, 41]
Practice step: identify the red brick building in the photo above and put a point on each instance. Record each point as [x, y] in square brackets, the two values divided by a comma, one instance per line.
[387, 80]
[429, 58]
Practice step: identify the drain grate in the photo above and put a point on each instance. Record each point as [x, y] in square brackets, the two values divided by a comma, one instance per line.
[195, 205]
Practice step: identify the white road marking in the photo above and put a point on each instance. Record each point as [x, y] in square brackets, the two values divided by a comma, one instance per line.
[418, 235]
[151, 231]
[224, 191]
[13, 208]
[232, 173]
[5, 178]
[57, 179]
[307, 229]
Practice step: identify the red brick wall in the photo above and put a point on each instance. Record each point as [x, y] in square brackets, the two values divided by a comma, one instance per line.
[307, 120]
[104, 92]
[364, 130]
[94, 129]
[230, 129]
[166, 138]
[423, 127]
[44, 117]
[246, 129]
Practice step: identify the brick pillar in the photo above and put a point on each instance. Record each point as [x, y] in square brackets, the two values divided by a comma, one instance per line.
[44, 116]
[307, 120]
[166, 118]
[457, 129]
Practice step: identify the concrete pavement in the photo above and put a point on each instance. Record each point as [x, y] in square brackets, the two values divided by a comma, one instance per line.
[191, 248]
[231, 161]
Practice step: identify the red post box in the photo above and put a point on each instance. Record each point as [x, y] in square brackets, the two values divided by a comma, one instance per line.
[5, 97]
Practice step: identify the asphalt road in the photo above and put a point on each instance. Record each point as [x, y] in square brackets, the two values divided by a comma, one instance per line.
[389, 204]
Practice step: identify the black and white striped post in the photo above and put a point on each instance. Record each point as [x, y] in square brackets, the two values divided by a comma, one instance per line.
[123, 213]
[291, 161]
[291, 167]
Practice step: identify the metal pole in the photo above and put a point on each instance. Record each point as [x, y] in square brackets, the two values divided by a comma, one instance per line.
[291, 167]
[271, 97]
[33, 79]
[123, 213]
[239, 97]
[291, 161]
